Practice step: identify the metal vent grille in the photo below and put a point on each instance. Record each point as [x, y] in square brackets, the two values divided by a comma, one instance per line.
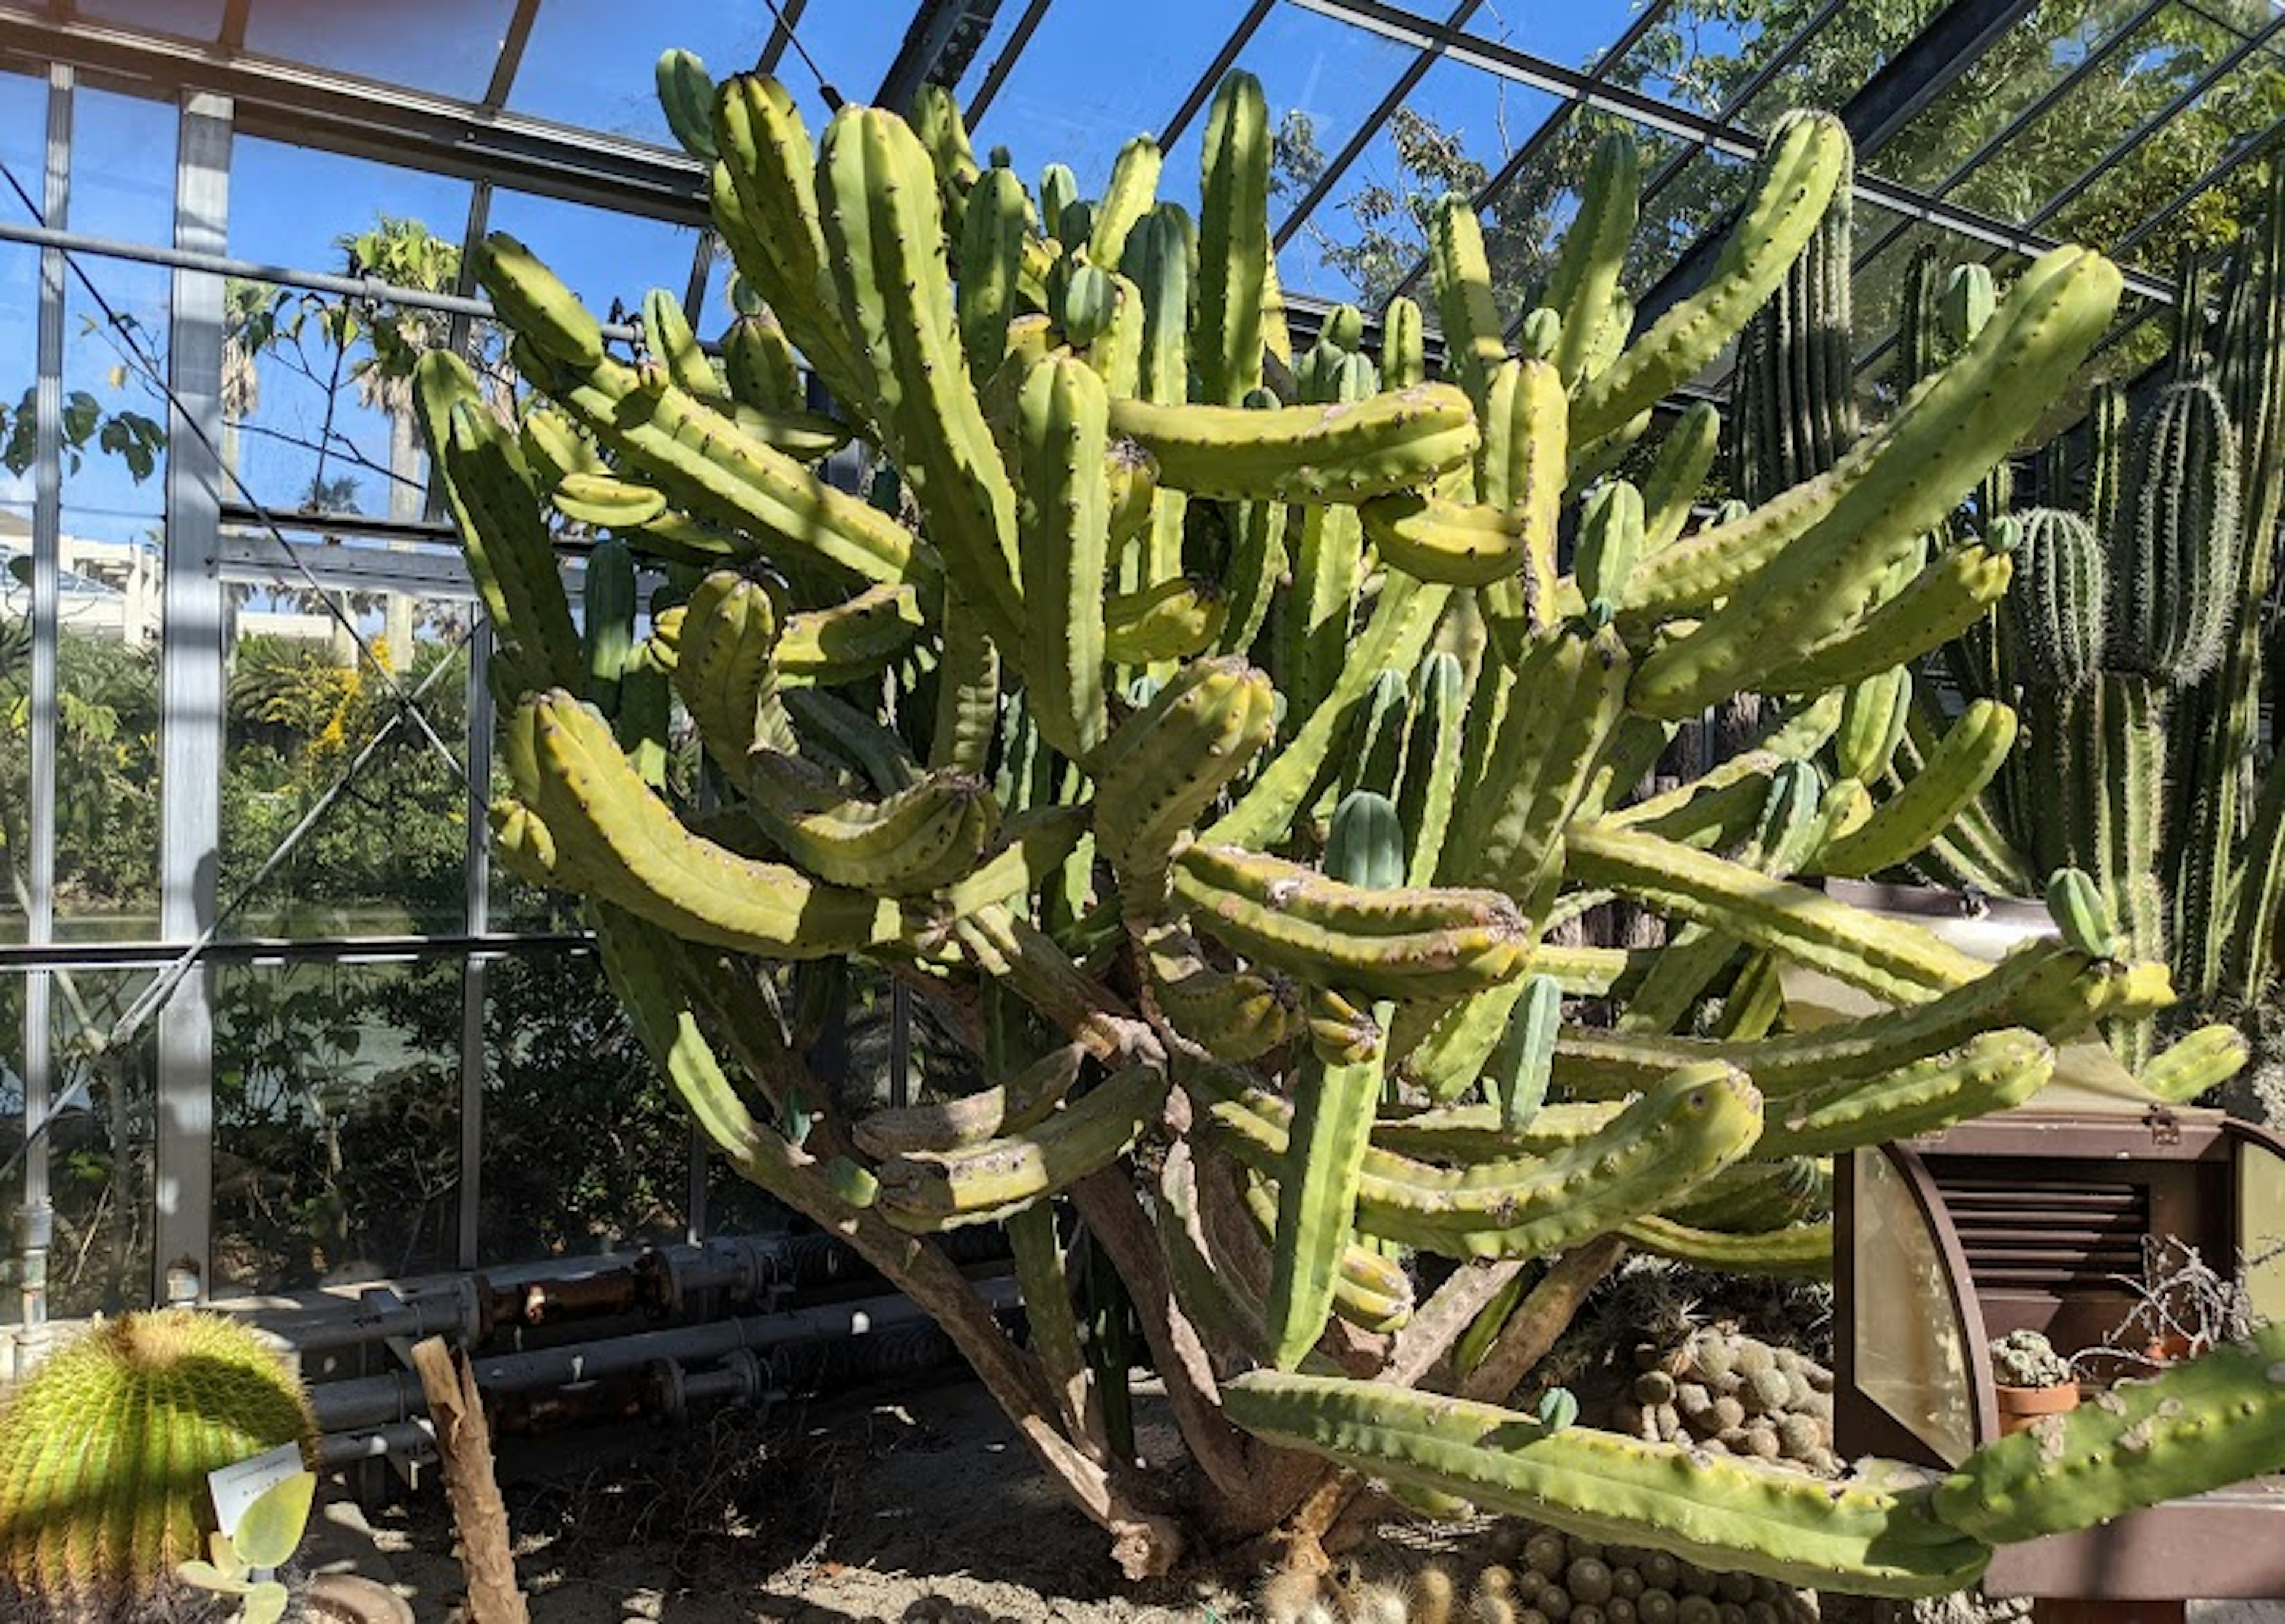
[2036, 1234]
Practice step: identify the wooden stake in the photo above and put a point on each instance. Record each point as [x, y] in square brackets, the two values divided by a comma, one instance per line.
[464, 1448]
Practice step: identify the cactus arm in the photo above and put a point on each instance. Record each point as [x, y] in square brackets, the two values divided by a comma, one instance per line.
[1133, 191]
[883, 231]
[1064, 520]
[1898, 483]
[2197, 1426]
[942, 1189]
[1520, 472]
[2044, 986]
[619, 834]
[1168, 762]
[2203, 1059]
[1317, 1194]
[764, 193]
[1583, 286]
[1336, 452]
[992, 234]
[1807, 156]
[510, 554]
[704, 462]
[1992, 1072]
[1569, 688]
[1431, 943]
[1461, 277]
[1944, 599]
[1724, 1513]
[1404, 619]
[1798, 1251]
[1954, 774]
[1883, 957]
[1683, 461]
[1233, 256]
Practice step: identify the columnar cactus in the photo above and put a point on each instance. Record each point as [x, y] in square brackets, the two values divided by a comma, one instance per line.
[104, 1451]
[1062, 756]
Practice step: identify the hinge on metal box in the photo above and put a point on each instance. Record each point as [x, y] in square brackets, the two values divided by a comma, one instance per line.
[2166, 1127]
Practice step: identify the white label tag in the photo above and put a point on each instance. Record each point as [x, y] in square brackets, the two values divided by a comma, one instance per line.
[238, 1485]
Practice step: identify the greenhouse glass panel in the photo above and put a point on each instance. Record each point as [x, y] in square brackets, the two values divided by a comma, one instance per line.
[2159, 62]
[101, 1149]
[387, 854]
[2051, 46]
[192, 19]
[569, 73]
[1839, 56]
[1693, 56]
[300, 208]
[336, 1102]
[107, 805]
[2132, 181]
[1702, 192]
[1039, 118]
[1453, 132]
[444, 47]
[585, 1147]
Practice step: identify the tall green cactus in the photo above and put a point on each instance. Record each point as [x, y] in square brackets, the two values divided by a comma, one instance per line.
[1011, 757]
[2135, 636]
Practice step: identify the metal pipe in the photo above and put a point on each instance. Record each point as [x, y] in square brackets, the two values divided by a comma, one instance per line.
[374, 1402]
[283, 276]
[402, 1438]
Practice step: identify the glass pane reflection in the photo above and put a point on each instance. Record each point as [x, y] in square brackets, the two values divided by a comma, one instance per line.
[1911, 1350]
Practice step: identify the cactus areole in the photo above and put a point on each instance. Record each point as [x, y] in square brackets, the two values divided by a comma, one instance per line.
[1208, 732]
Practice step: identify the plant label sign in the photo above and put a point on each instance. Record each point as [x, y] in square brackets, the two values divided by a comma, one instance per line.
[238, 1485]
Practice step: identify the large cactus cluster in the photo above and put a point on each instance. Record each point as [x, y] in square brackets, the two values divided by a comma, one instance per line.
[2134, 639]
[1213, 734]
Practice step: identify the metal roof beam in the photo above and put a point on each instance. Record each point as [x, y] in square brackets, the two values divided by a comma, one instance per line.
[394, 124]
[1256, 14]
[942, 40]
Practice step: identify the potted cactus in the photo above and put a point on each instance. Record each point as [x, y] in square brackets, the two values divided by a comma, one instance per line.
[2033, 1380]
[1207, 732]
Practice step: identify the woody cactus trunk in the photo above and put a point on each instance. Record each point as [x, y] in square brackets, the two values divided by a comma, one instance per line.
[1209, 733]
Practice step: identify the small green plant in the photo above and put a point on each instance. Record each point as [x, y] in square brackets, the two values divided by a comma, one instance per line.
[244, 1564]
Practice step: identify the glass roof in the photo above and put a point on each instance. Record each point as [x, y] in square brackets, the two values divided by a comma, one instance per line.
[2117, 122]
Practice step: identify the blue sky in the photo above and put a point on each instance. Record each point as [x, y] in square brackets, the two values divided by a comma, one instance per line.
[1090, 78]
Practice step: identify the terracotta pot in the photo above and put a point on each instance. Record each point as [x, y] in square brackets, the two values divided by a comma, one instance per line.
[2171, 1348]
[2020, 1407]
[349, 1599]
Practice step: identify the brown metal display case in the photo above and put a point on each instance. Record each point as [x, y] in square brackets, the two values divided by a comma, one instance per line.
[2039, 1219]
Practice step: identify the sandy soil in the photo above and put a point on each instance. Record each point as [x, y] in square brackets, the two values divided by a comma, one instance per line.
[912, 1506]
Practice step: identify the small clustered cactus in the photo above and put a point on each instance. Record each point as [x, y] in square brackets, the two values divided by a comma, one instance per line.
[1538, 1575]
[1730, 1393]
[2027, 1359]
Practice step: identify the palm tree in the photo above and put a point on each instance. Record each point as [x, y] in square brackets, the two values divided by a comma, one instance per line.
[404, 254]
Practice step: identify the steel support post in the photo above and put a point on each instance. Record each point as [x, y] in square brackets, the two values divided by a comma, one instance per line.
[191, 702]
[476, 911]
[35, 1217]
